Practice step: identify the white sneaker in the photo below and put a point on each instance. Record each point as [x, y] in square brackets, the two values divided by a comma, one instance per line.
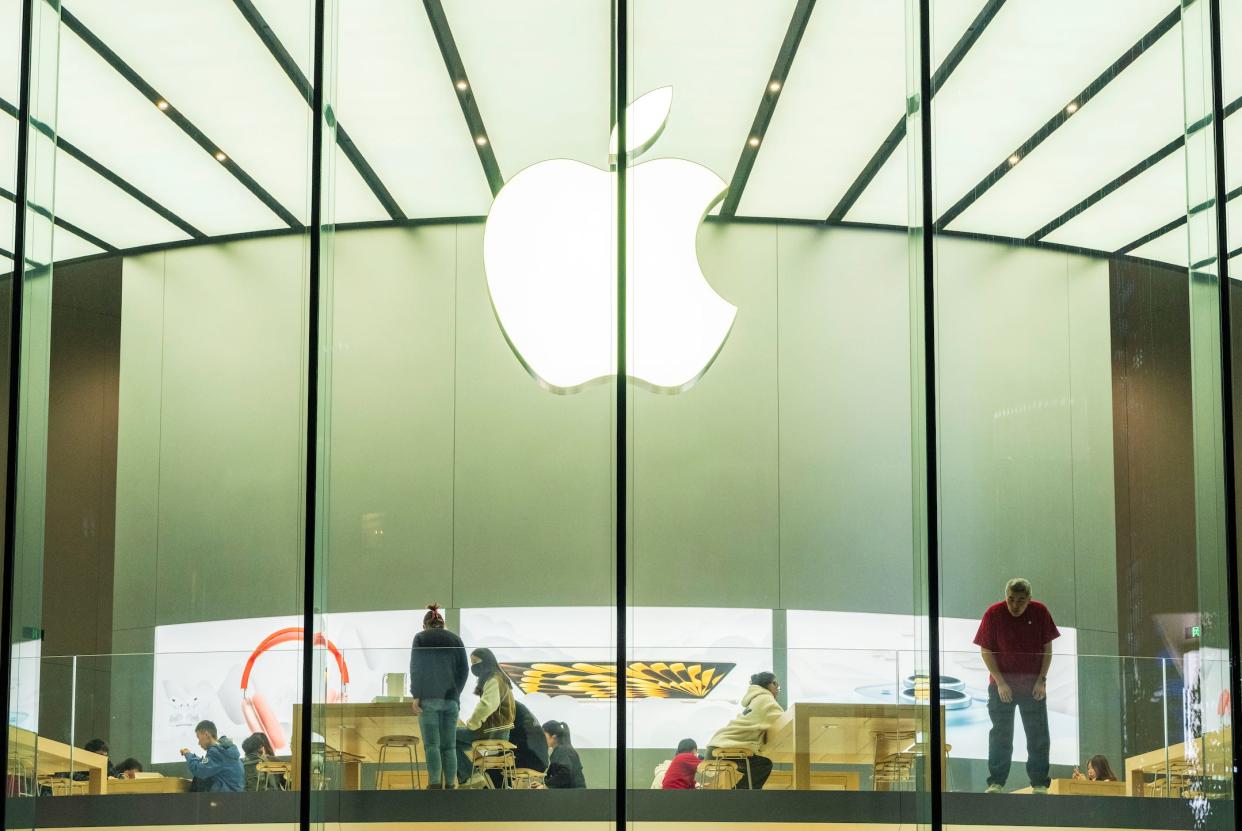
[1039, 789]
[997, 789]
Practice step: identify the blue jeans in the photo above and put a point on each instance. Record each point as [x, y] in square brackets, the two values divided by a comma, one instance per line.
[464, 738]
[438, 724]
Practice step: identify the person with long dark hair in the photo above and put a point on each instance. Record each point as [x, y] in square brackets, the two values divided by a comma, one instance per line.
[1098, 770]
[438, 674]
[564, 765]
[256, 748]
[494, 714]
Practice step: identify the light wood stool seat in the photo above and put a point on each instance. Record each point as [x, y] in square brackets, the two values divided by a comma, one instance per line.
[717, 775]
[525, 779]
[274, 776]
[736, 754]
[410, 745]
[494, 754]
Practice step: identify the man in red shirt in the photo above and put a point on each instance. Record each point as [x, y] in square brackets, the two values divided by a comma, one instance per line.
[1015, 638]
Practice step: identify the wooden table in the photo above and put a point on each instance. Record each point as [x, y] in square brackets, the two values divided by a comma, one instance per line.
[150, 784]
[1160, 760]
[47, 756]
[352, 732]
[1081, 787]
[839, 734]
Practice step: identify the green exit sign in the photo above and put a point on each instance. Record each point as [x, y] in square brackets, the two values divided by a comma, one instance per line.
[1196, 631]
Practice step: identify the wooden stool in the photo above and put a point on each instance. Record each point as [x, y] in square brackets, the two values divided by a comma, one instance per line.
[410, 745]
[494, 754]
[525, 779]
[717, 775]
[736, 754]
[273, 776]
[895, 752]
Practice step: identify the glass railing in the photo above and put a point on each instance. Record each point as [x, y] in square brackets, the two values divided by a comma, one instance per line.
[817, 724]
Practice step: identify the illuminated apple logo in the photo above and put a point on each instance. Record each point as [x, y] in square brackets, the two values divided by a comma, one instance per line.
[549, 253]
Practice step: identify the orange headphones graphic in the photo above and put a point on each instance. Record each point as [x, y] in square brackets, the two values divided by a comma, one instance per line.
[259, 715]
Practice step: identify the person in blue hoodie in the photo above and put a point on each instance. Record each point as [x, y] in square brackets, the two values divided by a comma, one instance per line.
[220, 768]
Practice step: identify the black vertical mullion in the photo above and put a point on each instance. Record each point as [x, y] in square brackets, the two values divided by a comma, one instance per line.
[1226, 382]
[620, 47]
[936, 739]
[16, 285]
[312, 423]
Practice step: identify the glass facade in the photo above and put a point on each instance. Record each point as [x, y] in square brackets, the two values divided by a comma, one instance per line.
[601, 398]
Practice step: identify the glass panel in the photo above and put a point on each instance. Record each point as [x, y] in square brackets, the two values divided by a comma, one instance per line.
[1079, 437]
[162, 412]
[466, 429]
[774, 626]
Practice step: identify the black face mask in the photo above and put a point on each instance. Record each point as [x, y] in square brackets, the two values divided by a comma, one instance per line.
[478, 670]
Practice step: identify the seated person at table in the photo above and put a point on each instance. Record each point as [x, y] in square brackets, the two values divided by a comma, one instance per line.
[127, 769]
[220, 768]
[1098, 770]
[493, 716]
[257, 749]
[680, 773]
[759, 712]
[564, 766]
[95, 746]
[531, 748]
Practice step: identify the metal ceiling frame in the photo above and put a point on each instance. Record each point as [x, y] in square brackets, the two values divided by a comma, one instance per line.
[895, 136]
[100, 169]
[291, 69]
[465, 94]
[175, 116]
[1166, 24]
[773, 87]
[61, 222]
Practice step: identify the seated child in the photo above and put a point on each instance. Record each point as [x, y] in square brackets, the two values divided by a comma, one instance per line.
[680, 773]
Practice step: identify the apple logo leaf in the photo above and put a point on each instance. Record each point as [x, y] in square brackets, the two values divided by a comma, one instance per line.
[645, 119]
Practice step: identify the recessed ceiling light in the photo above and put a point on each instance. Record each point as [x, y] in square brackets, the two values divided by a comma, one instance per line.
[162, 104]
[220, 156]
[462, 86]
[775, 86]
[1072, 107]
[1014, 159]
[481, 141]
[754, 141]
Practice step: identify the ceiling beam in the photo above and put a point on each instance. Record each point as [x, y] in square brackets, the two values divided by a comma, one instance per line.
[1079, 101]
[1160, 155]
[894, 138]
[61, 222]
[177, 117]
[291, 69]
[767, 105]
[106, 173]
[465, 94]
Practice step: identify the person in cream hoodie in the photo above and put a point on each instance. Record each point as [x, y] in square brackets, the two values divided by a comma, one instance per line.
[759, 712]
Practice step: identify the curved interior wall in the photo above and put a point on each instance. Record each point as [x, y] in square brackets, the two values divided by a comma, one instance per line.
[787, 467]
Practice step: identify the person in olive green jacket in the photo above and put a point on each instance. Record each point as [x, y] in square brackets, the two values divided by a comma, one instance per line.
[494, 714]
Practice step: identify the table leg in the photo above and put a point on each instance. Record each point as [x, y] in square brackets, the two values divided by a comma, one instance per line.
[351, 775]
[97, 781]
[801, 751]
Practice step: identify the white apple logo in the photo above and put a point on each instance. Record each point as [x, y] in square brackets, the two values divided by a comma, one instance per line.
[548, 250]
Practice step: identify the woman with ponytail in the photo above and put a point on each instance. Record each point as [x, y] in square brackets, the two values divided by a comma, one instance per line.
[564, 766]
[438, 673]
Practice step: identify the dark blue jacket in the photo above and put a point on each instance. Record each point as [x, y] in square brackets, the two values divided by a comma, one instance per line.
[438, 665]
[220, 769]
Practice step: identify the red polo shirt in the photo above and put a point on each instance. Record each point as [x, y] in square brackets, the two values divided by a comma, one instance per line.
[680, 774]
[1017, 642]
